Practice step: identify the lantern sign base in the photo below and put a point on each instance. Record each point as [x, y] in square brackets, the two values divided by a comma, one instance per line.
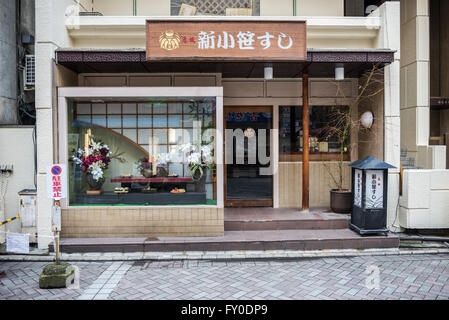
[366, 232]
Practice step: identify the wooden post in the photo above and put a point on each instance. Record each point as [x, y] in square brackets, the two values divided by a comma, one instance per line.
[305, 143]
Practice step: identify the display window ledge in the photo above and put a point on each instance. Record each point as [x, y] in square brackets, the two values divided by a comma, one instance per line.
[209, 204]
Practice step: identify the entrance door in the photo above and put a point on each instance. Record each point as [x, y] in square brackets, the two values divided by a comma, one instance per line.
[248, 178]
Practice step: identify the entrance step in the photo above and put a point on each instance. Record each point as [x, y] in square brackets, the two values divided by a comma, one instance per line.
[259, 219]
[236, 240]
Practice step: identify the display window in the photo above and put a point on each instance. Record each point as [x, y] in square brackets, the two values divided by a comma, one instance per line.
[324, 138]
[158, 151]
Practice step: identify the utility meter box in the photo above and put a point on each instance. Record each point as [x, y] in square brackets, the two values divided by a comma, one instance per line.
[27, 211]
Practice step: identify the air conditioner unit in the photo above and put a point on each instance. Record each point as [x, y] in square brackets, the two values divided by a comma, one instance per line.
[29, 73]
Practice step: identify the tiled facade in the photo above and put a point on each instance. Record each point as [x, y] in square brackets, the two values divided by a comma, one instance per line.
[126, 222]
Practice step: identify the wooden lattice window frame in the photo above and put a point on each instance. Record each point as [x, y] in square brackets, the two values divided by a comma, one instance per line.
[167, 113]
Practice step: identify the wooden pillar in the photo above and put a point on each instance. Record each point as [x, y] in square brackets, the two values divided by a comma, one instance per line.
[305, 143]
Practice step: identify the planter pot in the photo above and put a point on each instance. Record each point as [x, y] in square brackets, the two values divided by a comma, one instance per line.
[200, 181]
[161, 171]
[341, 201]
[94, 184]
[147, 173]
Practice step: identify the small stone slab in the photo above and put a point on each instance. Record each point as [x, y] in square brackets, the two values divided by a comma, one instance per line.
[56, 276]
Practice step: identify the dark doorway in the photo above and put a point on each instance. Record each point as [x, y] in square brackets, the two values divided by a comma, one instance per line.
[247, 183]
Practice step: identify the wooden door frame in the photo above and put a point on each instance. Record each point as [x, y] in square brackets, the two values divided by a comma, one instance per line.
[245, 202]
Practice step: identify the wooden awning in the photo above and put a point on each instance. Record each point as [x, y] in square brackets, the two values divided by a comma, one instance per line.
[320, 63]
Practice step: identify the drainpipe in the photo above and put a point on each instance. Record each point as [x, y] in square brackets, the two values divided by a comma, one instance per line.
[134, 8]
[294, 7]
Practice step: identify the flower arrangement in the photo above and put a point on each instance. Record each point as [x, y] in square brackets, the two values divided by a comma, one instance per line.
[145, 163]
[95, 161]
[199, 158]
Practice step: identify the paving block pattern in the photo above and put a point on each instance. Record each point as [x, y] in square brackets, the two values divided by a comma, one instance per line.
[409, 277]
[400, 277]
[21, 281]
[106, 282]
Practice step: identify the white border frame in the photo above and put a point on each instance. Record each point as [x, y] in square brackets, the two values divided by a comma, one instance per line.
[65, 93]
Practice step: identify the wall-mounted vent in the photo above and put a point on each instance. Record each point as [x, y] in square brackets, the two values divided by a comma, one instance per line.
[29, 72]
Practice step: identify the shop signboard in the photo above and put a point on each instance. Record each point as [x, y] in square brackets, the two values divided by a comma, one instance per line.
[226, 40]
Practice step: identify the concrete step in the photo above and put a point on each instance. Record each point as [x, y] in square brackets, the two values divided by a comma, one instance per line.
[259, 219]
[236, 240]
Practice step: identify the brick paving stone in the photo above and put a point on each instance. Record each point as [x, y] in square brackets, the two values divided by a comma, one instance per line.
[409, 277]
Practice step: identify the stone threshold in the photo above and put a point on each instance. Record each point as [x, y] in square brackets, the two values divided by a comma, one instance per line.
[220, 255]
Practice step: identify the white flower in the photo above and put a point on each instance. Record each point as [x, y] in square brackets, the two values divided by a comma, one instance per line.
[185, 147]
[196, 154]
[208, 159]
[96, 170]
[194, 158]
[77, 160]
[95, 145]
[206, 150]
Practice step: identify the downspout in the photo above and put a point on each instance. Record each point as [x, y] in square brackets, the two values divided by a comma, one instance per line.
[134, 8]
[294, 7]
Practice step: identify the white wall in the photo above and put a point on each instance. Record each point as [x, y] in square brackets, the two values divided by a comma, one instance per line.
[51, 33]
[16, 148]
[415, 78]
[424, 202]
[267, 7]
[320, 7]
[125, 7]
[276, 8]
[390, 37]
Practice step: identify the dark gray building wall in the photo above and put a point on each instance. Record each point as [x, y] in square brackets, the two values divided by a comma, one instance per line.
[26, 26]
[8, 62]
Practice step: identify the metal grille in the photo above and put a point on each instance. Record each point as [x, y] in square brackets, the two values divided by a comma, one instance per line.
[215, 7]
[30, 74]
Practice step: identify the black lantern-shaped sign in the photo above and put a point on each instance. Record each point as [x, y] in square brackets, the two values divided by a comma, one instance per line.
[369, 195]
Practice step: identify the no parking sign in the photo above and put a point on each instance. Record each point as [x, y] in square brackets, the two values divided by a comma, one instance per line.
[57, 181]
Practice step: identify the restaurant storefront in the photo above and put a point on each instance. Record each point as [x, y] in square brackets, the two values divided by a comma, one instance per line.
[160, 141]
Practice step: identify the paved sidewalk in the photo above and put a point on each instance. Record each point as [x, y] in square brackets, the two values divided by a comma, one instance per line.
[411, 277]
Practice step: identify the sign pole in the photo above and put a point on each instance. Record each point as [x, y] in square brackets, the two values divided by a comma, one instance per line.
[57, 274]
[57, 210]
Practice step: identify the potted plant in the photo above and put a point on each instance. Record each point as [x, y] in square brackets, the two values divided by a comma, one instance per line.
[145, 166]
[94, 162]
[162, 162]
[199, 158]
[340, 197]
[341, 127]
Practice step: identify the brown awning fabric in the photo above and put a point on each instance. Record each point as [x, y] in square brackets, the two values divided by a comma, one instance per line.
[320, 63]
